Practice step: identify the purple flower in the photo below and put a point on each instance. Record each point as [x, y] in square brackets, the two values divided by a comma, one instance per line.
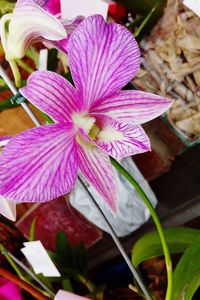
[30, 23]
[93, 120]
[9, 290]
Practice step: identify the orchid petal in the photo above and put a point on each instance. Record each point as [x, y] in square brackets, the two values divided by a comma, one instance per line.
[39, 164]
[63, 295]
[69, 26]
[41, 3]
[52, 94]
[102, 57]
[28, 24]
[121, 139]
[8, 208]
[4, 140]
[135, 107]
[95, 165]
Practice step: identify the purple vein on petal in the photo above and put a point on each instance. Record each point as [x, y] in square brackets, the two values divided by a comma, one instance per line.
[102, 57]
[52, 94]
[46, 167]
[96, 167]
[120, 139]
[134, 107]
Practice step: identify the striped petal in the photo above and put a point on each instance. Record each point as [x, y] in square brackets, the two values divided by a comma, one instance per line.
[39, 164]
[135, 107]
[8, 208]
[121, 139]
[103, 58]
[28, 24]
[42, 3]
[69, 26]
[96, 167]
[52, 94]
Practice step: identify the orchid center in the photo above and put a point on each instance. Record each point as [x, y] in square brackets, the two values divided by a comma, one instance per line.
[109, 134]
[83, 121]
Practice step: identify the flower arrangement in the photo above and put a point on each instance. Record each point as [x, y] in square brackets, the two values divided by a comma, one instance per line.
[92, 122]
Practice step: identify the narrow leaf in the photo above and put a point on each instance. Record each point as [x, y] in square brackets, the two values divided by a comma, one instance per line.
[64, 250]
[32, 230]
[149, 246]
[66, 285]
[186, 277]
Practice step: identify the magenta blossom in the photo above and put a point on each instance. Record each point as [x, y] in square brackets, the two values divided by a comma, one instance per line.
[94, 119]
[9, 290]
[53, 6]
[30, 23]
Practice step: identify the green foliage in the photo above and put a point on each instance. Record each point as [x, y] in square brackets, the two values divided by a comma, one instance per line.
[6, 104]
[71, 261]
[149, 246]
[71, 258]
[150, 10]
[6, 7]
[66, 285]
[143, 6]
[32, 230]
[186, 277]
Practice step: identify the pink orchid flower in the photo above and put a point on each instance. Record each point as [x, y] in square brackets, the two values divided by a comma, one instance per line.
[30, 23]
[9, 290]
[63, 295]
[93, 120]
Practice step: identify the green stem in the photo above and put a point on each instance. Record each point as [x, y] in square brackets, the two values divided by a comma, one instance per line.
[144, 22]
[90, 286]
[33, 54]
[2, 82]
[16, 73]
[6, 104]
[11, 262]
[155, 218]
[23, 65]
[18, 271]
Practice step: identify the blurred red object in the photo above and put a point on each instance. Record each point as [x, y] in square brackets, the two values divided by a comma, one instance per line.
[116, 11]
[58, 215]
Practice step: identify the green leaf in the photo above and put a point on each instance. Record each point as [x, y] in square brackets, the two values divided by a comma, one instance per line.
[80, 257]
[69, 272]
[45, 116]
[6, 104]
[6, 7]
[149, 246]
[46, 281]
[150, 10]
[186, 277]
[64, 250]
[32, 230]
[145, 21]
[66, 284]
[143, 6]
